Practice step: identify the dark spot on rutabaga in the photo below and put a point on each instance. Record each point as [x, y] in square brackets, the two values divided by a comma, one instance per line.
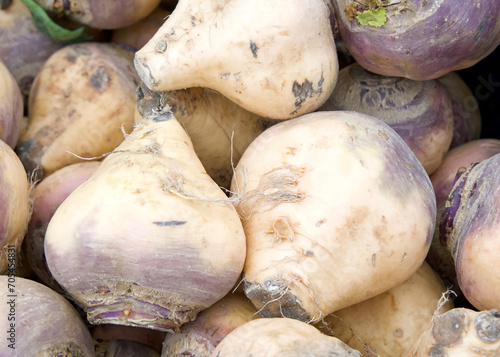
[100, 79]
[253, 48]
[449, 327]
[482, 27]
[304, 91]
[169, 223]
[487, 325]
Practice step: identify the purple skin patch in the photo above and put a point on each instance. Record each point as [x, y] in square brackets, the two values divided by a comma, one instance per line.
[471, 210]
[415, 110]
[453, 37]
[45, 321]
[4, 203]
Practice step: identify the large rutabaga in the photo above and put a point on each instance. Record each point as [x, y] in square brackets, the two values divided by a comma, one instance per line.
[150, 239]
[420, 39]
[274, 58]
[336, 209]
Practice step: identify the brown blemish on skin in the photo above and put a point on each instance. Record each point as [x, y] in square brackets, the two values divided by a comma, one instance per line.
[448, 328]
[282, 230]
[354, 219]
[398, 333]
[100, 79]
[291, 150]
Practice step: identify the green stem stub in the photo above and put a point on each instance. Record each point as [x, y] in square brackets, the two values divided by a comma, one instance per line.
[52, 30]
[376, 17]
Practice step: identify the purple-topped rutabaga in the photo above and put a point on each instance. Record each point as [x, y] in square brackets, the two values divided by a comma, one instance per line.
[469, 227]
[454, 163]
[150, 239]
[101, 14]
[419, 111]
[419, 39]
[44, 323]
[11, 107]
[23, 48]
[336, 209]
[466, 114]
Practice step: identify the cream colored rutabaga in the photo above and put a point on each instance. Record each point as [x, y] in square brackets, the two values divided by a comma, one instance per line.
[336, 209]
[460, 332]
[274, 58]
[280, 337]
[150, 239]
[15, 207]
[389, 324]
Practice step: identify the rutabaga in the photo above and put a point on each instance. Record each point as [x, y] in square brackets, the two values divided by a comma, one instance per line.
[150, 239]
[274, 58]
[419, 111]
[15, 207]
[336, 209]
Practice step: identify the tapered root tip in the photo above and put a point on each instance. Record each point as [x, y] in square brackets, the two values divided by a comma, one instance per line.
[275, 300]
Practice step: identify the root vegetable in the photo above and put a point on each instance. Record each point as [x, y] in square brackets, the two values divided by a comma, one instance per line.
[461, 332]
[79, 102]
[47, 196]
[15, 206]
[44, 325]
[469, 228]
[389, 324]
[219, 129]
[101, 14]
[420, 111]
[200, 337]
[23, 48]
[419, 39]
[466, 114]
[336, 209]
[463, 156]
[139, 33]
[276, 59]
[455, 161]
[280, 337]
[150, 239]
[11, 107]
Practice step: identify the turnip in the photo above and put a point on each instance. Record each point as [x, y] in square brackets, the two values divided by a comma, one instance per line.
[455, 162]
[420, 111]
[15, 207]
[23, 48]
[389, 324]
[336, 209]
[47, 196]
[101, 14]
[11, 107]
[469, 229]
[139, 33]
[280, 337]
[460, 332]
[418, 39]
[124, 348]
[40, 322]
[219, 129]
[82, 99]
[150, 239]
[466, 114]
[276, 59]
[200, 337]
[463, 156]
